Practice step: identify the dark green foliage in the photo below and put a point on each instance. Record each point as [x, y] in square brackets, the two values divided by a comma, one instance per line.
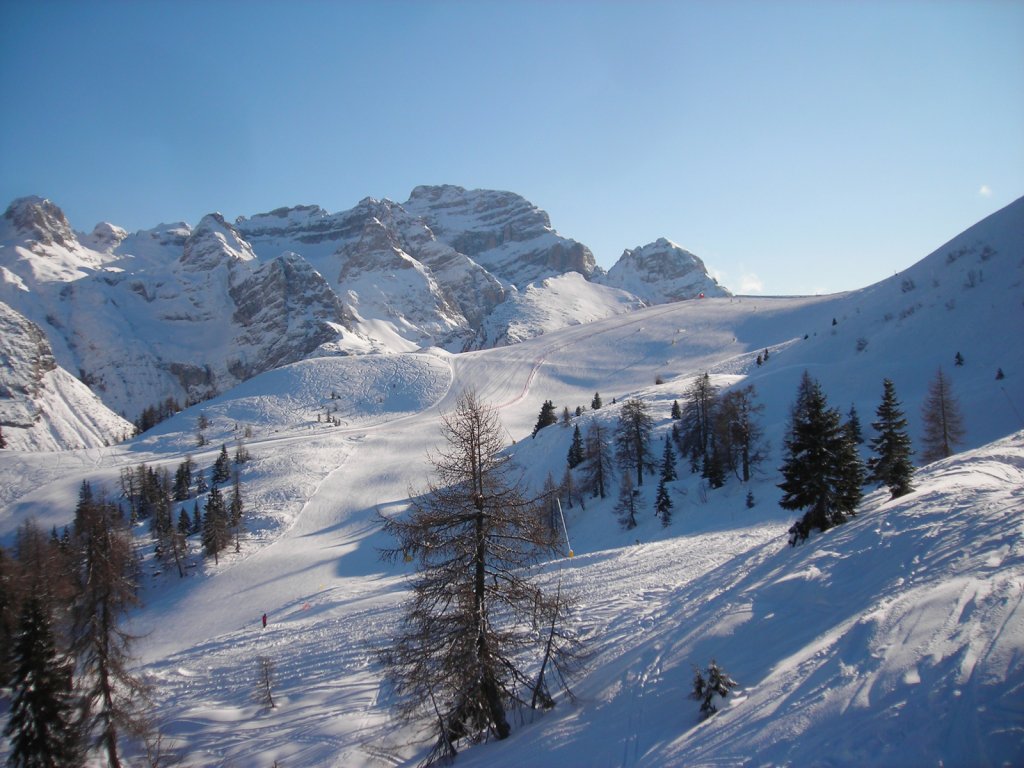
[714, 468]
[958, 359]
[633, 438]
[668, 462]
[715, 681]
[821, 467]
[663, 503]
[677, 412]
[183, 480]
[853, 427]
[546, 418]
[221, 468]
[40, 724]
[215, 524]
[891, 465]
[184, 523]
[596, 403]
[576, 453]
[598, 461]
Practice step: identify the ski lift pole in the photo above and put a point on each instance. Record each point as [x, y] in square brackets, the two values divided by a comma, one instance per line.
[564, 529]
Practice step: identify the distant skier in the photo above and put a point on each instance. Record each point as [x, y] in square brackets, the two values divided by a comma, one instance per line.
[264, 621]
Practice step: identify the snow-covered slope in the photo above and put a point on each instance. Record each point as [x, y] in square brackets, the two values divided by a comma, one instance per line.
[184, 313]
[42, 406]
[896, 639]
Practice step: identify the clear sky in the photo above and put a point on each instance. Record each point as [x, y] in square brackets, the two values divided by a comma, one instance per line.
[797, 147]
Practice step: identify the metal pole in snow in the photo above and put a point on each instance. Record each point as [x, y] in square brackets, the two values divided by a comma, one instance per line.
[565, 530]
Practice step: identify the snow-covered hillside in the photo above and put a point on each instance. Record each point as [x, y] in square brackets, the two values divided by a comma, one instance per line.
[896, 639]
[185, 313]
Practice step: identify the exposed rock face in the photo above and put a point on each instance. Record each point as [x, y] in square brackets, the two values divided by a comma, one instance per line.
[506, 234]
[39, 220]
[284, 310]
[41, 405]
[661, 272]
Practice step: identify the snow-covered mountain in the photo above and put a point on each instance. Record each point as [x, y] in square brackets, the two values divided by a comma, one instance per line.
[660, 272]
[184, 313]
[896, 639]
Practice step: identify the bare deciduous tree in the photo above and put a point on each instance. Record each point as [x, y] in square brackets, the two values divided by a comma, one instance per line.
[476, 625]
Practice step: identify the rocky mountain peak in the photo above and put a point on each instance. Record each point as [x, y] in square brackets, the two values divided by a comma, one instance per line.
[661, 272]
[35, 218]
[214, 241]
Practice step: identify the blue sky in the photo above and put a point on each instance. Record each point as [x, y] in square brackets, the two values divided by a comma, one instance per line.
[797, 147]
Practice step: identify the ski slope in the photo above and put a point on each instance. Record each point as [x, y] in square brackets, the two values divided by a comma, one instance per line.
[897, 639]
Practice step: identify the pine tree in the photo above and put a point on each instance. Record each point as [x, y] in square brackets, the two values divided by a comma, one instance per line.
[714, 682]
[853, 425]
[633, 438]
[576, 453]
[184, 523]
[663, 503]
[470, 626]
[221, 467]
[215, 524]
[677, 412]
[891, 465]
[596, 403]
[820, 464]
[566, 416]
[546, 418]
[943, 422]
[668, 462]
[598, 461]
[41, 720]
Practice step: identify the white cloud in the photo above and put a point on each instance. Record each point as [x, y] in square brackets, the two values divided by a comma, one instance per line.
[985, 191]
[750, 283]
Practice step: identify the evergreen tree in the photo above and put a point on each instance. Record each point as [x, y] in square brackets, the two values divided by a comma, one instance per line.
[596, 403]
[470, 626]
[197, 521]
[236, 506]
[891, 465]
[668, 462]
[41, 720]
[853, 426]
[184, 523]
[576, 453]
[943, 422]
[714, 467]
[566, 416]
[663, 503]
[3, 441]
[817, 474]
[633, 438]
[715, 682]
[221, 468]
[215, 524]
[598, 462]
[677, 412]
[546, 418]
[183, 480]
